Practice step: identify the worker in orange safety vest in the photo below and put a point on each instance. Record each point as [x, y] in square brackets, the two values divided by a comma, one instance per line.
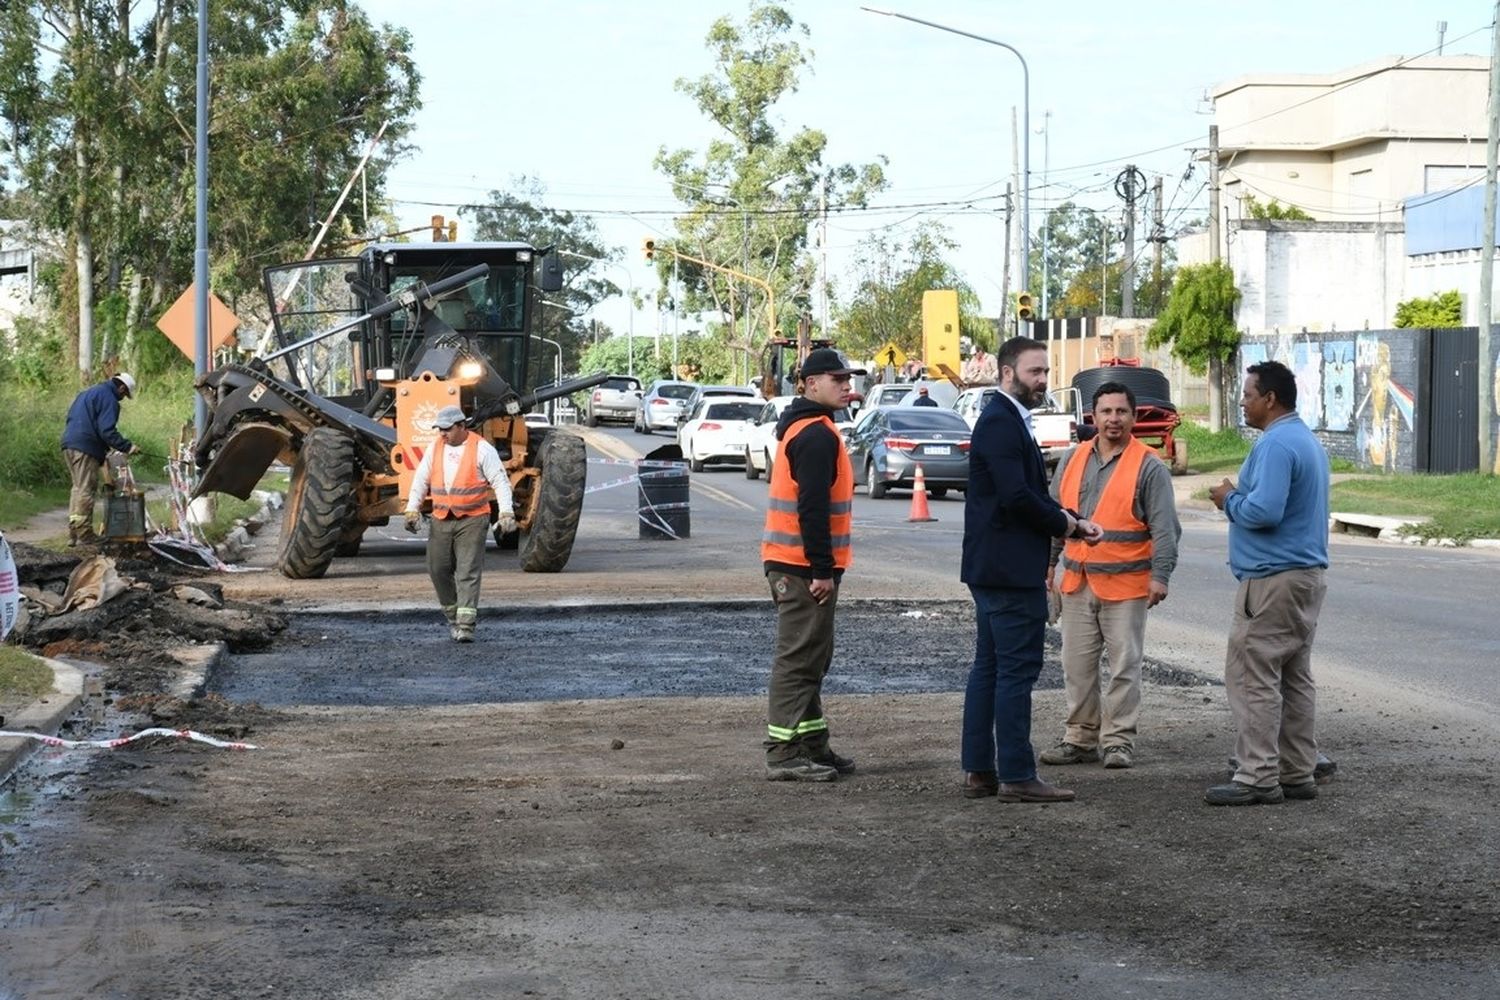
[805, 549]
[1106, 589]
[461, 471]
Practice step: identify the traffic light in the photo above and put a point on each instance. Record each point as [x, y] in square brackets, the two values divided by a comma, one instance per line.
[648, 247]
[1025, 312]
[437, 229]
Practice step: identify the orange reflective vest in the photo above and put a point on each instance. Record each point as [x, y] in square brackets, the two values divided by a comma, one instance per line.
[1118, 568]
[469, 494]
[781, 540]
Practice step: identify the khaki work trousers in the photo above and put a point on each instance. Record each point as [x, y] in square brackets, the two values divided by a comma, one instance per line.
[804, 650]
[1268, 676]
[455, 561]
[1103, 707]
[84, 471]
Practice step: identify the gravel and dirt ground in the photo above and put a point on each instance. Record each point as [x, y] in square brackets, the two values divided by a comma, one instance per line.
[628, 848]
[573, 808]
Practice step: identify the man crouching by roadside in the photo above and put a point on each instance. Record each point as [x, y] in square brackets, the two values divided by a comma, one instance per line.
[805, 550]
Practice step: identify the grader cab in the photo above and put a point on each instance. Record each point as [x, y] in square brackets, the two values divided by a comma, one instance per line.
[369, 348]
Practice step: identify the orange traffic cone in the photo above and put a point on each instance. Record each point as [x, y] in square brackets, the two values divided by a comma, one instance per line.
[919, 511]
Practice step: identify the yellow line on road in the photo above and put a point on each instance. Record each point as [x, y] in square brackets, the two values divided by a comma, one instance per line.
[614, 448]
[717, 494]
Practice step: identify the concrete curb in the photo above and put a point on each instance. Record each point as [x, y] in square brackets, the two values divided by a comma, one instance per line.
[198, 664]
[43, 716]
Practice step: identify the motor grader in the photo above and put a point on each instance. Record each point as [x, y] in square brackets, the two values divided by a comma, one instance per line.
[366, 350]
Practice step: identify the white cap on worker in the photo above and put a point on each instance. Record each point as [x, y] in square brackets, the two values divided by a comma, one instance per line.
[128, 381]
[447, 417]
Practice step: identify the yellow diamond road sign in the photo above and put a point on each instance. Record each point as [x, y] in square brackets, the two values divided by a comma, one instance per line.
[890, 354]
[177, 322]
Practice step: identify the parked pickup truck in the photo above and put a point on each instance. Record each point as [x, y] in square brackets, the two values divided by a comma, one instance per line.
[1054, 424]
[617, 399]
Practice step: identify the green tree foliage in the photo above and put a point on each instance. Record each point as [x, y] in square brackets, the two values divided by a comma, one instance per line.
[99, 136]
[1274, 209]
[754, 189]
[885, 304]
[521, 214]
[1198, 323]
[704, 357]
[1435, 312]
[1086, 265]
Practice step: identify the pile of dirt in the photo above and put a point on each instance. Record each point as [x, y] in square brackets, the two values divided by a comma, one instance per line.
[146, 608]
[211, 714]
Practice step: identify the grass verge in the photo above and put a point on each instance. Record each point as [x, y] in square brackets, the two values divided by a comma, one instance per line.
[1462, 507]
[33, 477]
[23, 677]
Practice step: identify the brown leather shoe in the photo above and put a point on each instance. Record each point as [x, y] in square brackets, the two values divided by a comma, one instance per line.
[980, 784]
[1035, 790]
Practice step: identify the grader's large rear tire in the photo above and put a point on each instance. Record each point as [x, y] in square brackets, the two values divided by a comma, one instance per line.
[564, 465]
[349, 540]
[318, 504]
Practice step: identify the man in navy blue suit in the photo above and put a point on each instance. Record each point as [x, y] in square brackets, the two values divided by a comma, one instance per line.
[1010, 520]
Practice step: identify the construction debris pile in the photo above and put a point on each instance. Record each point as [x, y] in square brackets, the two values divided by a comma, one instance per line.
[132, 610]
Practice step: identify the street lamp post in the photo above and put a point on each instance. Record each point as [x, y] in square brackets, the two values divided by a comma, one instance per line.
[1025, 128]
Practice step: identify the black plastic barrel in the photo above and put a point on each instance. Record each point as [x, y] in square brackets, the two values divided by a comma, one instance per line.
[663, 494]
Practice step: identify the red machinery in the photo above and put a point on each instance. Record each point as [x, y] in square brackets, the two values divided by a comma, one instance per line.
[1156, 416]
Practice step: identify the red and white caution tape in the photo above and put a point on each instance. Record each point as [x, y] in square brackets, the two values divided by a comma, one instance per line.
[182, 734]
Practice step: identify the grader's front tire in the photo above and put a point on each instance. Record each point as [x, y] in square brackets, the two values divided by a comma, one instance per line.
[564, 465]
[319, 501]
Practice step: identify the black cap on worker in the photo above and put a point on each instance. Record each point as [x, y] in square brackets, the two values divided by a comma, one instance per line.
[826, 361]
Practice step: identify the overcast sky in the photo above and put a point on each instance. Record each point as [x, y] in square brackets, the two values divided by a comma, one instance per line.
[579, 93]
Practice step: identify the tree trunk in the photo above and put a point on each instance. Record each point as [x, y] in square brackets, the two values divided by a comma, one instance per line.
[132, 317]
[1216, 394]
[117, 181]
[84, 247]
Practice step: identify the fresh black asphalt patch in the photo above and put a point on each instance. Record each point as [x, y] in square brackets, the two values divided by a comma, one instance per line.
[632, 651]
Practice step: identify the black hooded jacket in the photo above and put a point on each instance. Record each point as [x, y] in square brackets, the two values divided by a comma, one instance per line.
[812, 461]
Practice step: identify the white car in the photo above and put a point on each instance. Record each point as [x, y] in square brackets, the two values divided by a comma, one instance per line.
[760, 445]
[716, 430]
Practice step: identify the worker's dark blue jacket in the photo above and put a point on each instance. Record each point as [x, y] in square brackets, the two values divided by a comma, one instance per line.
[91, 422]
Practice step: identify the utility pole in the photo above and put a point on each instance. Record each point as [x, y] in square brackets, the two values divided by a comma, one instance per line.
[1215, 364]
[1046, 220]
[1005, 271]
[1125, 187]
[1213, 193]
[1158, 237]
[1487, 461]
[823, 252]
[1023, 271]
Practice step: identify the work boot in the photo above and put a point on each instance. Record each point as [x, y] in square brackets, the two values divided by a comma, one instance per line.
[463, 632]
[799, 769]
[1237, 793]
[86, 536]
[840, 763]
[1118, 756]
[1069, 753]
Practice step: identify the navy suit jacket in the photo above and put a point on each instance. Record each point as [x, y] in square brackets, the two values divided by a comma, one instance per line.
[1009, 517]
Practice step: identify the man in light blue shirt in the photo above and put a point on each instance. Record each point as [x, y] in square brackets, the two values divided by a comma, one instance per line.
[1278, 550]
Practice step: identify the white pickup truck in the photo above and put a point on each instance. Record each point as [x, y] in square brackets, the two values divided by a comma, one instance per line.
[1054, 424]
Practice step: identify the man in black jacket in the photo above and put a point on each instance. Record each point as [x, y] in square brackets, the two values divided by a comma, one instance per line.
[1010, 520]
[805, 549]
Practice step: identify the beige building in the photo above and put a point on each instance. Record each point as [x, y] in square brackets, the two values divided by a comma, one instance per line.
[1349, 146]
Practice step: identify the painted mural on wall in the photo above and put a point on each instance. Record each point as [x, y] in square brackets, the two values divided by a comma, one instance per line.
[1338, 385]
[1354, 390]
[1386, 414]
